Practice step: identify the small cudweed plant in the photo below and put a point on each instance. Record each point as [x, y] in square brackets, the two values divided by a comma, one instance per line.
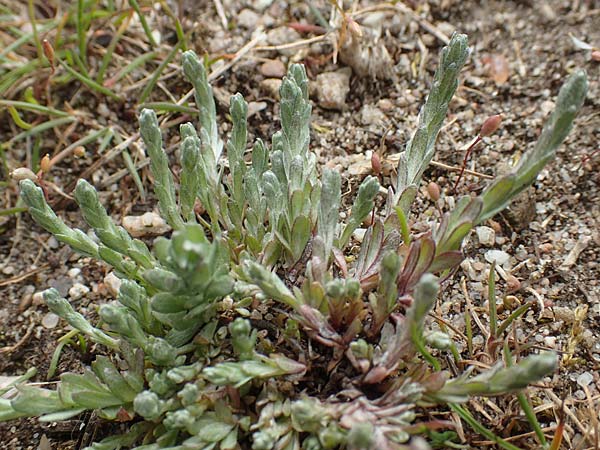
[189, 371]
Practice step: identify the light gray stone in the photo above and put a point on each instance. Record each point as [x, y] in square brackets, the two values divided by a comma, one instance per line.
[500, 256]
[371, 115]
[78, 290]
[248, 19]
[148, 224]
[486, 236]
[332, 88]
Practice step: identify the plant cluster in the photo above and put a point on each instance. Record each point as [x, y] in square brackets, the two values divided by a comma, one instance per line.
[342, 355]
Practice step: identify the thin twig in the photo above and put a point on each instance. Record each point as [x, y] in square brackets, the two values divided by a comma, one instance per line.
[400, 7]
[393, 159]
[221, 14]
[21, 342]
[516, 437]
[458, 169]
[260, 35]
[23, 276]
[290, 45]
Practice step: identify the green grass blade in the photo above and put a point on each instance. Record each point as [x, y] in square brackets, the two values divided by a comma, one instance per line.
[33, 107]
[40, 128]
[465, 415]
[137, 62]
[169, 107]
[106, 59]
[135, 5]
[26, 38]
[134, 174]
[89, 82]
[148, 89]
[81, 40]
[492, 302]
[525, 405]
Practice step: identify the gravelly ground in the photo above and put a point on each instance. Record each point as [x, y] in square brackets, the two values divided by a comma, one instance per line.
[549, 241]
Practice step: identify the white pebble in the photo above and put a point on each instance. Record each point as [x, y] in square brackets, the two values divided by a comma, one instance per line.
[103, 110]
[74, 272]
[500, 256]
[359, 234]
[113, 283]
[486, 236]
[332, 88]
[371, 115]
[23, 173]
[77, 291]
[147, 224]
[247, 19]
[52, 243]
[585, 379]
[37, 299]
[50, 320]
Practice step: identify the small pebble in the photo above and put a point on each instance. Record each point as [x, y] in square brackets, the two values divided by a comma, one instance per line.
[147, 224]
[585, 379]
[113, 283]
[479, 266]
[512, 283]
[564, 314]
[52, 243]
[103, 110]
[371, 115]
[579, 394]
[283, 35]
[255, 107]
[500, 256]
[74, 272]
[77, 291]
[37, 299]
[50, 320]
[273, 69]
[550, 341]
[495, 225]
[486, 236]
[247, 19]
[547, 107]
[359, 234]
[271, 86]
[332, 88]
[385, 105]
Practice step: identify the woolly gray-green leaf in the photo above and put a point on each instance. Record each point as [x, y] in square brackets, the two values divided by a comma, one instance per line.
[195, 73]
[62, 308]
[499, 379]
[33, 196]
[362, 207]
[570, 99]
[164, 186]
[295, 112]
[420, 149]
[328, 215]
[190, 176]
[111, 235]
